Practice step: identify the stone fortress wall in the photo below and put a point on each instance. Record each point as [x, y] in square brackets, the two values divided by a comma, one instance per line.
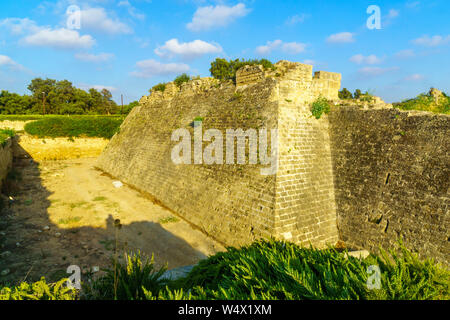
[327, 186]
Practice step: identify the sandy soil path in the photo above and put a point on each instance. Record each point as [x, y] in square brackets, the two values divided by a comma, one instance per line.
[64, 213]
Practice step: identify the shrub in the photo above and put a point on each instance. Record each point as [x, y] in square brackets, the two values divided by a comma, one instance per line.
[425, 102]
[127, 281]
[280, 270]
[101, 127]
[320, 106]
[159, 87]
[181, 79]
[345, 94]
[226, 70]
[5, 134]
[264, 270]
[40, 290]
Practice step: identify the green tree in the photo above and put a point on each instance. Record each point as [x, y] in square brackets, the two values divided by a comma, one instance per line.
[345, 94]
[226, 70]
[357, 94]
[221, 69]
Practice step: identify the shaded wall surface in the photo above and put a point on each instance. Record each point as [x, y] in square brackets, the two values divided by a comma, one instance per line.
[236, 204]
[392, 172]
[232, 203]
[6, 157]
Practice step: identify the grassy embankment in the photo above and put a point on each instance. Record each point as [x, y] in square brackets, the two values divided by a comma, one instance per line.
[73, 126]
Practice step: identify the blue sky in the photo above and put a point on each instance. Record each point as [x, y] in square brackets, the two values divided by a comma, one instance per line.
[128, 46]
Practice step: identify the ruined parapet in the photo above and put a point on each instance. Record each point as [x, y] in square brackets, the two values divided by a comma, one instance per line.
[199, 85]
[249, 75]
[326, 84]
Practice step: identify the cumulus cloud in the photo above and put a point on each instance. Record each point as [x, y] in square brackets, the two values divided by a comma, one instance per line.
[360, 59]
[89, 57]
[59, 39]
[8, 62]
[132, 11]
[375, 71]
[342, 37]
[18, 26]
[412, 4]
[149, 68]
[309, 61]
[414, 77]
[287, 47]
[433, 41]
[206, 18]
[97, 19]
[296, 19]
[35, 35]
[98, 87]
[393, 13]
[187, 50]
[405, 54]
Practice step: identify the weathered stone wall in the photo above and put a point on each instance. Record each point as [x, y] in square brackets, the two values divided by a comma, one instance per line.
[249, 74]
[305, 204]
[235, 203]
[392, 172]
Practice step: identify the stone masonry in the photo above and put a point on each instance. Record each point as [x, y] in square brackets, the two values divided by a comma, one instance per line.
[326, 187]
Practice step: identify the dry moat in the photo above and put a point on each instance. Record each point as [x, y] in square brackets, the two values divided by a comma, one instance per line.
[62, 213]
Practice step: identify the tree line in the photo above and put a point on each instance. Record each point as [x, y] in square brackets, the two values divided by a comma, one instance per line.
[49, 96]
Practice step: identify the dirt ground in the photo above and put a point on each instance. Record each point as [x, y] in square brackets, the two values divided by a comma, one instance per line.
[63, 214]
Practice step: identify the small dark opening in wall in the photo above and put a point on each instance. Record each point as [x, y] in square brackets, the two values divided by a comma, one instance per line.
[387, 178]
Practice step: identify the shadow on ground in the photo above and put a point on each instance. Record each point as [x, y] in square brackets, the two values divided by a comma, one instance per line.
[32, 246]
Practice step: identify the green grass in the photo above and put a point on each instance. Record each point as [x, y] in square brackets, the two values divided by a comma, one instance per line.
[425, 102]
[168, 220]
[100, 198]
[5, 134]
[69, 220]
[73, 126]
[29, 117]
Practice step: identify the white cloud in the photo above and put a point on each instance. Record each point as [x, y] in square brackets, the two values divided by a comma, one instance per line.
[405, 54]
[413, 4]
[287, 47]
[375, 71]
[433, 41]
[97, 87]
[206, 18]
[89, 57]
[18, 26]
[8, 62]
[360, 59]
[96, 19]
[59, 39]
[309, 61]
[187, 50]
[293, 47]
[342, 37]
[393, 13]
[132, 11]
[269, 47]
[149, 68]
[296, 19]
[414, 77]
